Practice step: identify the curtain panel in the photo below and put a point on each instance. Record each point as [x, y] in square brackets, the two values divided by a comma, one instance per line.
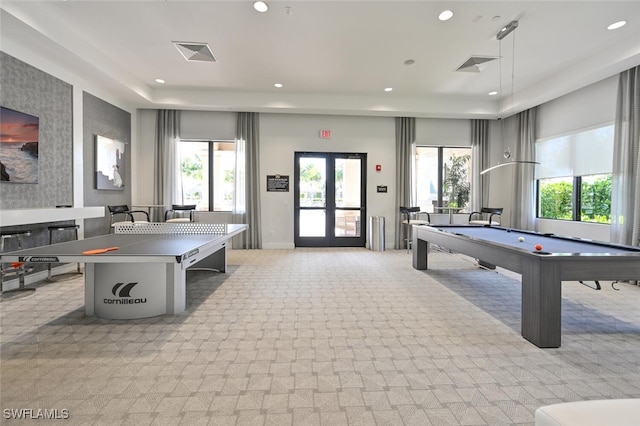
[625, 196]
[480, 161]
[523, 213]
[405, 191]
[166, 185]
[247, 181]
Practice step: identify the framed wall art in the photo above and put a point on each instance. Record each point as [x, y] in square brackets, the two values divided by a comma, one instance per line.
[110, 164]
[19, 133]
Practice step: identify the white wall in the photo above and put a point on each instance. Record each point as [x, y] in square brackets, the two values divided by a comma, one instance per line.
[281, 135]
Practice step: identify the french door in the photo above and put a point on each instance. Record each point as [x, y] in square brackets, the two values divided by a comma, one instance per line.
[330, 199]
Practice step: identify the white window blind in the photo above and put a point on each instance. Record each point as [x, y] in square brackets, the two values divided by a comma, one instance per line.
[580, 154]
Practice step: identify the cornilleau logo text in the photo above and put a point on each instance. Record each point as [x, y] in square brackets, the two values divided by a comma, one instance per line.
[124, 296]
[43, 259]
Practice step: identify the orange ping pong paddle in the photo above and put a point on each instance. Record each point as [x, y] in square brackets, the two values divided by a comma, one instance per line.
[100, 250]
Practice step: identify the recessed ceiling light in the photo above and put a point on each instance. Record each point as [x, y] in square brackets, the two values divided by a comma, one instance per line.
[493, 93]
[278, 85]
[445, 15]
[159, 80]
[260, 6]
[617, 25]
[388, 89]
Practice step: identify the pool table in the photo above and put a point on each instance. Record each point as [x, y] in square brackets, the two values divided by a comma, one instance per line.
[560, 259]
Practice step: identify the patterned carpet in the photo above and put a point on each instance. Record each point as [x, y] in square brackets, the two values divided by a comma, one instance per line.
[318, 337]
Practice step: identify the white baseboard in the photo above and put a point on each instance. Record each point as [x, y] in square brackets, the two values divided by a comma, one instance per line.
[278, 246]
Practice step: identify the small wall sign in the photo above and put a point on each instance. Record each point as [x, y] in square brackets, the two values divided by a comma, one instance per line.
[277, 183]
[381, 188]
[325, 134]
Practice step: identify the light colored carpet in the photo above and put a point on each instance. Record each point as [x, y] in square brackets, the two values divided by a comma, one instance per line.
[319, 337]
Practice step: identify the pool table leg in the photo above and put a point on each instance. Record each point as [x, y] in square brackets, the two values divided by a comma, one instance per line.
[541, 303]
[420, 252]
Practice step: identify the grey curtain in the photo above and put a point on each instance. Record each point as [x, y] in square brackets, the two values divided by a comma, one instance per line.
[165, 184]
[405, 140]
[625, 197]
[523, 207]
[247, 181]
[480, 161]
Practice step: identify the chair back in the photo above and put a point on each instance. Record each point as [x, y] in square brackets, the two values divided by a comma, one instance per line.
[408, 210]
[117, 214]
[486, 216]
[180, 213]
[118, 209]
[129, 215]
[491, 210]
[183, 207]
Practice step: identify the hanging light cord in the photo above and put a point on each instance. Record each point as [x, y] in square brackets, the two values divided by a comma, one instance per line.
[511, 102]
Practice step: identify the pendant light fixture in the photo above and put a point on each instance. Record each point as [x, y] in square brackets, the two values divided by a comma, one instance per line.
[505, 31]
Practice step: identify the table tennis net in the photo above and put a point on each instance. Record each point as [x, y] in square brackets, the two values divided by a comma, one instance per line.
[171, 228]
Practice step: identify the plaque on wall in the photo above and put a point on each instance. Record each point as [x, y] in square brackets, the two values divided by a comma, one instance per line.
[277, 183]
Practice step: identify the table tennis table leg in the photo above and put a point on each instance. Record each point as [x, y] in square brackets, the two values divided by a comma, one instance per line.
[89, 288]
[176, 288]
[216, 261]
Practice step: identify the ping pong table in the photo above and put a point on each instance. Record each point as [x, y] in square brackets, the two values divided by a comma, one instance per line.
[140, 270]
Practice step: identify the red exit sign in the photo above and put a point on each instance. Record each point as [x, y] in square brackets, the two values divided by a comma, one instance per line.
[325, 134]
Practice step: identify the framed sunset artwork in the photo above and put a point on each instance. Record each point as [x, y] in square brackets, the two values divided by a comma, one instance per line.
[19, 134]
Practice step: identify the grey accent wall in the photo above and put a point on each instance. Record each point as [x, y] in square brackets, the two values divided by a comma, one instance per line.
[29, 90]
[102, 118]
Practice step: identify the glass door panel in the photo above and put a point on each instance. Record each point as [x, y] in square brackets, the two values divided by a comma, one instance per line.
[313, 223]
[329, 193]
[347, 182]
[313, 182]
[347, 223]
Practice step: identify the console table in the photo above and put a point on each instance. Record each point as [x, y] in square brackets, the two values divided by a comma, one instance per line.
[15, 217]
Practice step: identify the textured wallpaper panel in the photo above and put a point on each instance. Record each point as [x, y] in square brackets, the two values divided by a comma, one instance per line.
[102, 118]
[32, 91]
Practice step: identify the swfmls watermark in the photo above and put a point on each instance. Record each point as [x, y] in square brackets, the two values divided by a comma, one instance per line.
[35, 414]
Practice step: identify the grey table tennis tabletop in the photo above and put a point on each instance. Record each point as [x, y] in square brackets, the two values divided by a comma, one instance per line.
[158, 246]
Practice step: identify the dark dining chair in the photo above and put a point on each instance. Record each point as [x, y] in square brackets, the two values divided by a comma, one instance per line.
[412, 216]
[485, 216]
[122, 214]
[180, 213]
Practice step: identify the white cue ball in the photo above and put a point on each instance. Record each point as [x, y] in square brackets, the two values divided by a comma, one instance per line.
[521, 239]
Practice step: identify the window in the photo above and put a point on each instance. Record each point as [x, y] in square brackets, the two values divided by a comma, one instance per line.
[442, 177]
[207, 174]
[574, 176]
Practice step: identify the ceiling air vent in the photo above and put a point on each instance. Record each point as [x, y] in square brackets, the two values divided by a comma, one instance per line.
[476, 63]
[199, 52]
